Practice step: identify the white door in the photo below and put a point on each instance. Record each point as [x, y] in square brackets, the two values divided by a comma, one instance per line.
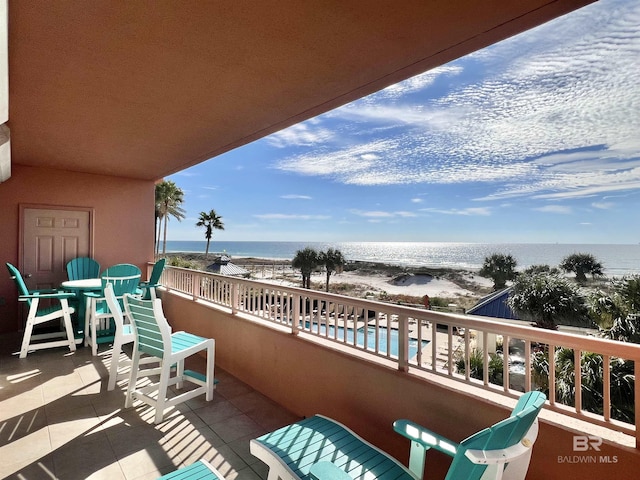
[50, 238]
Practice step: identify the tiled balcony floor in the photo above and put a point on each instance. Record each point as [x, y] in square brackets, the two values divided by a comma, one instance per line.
[57, 420]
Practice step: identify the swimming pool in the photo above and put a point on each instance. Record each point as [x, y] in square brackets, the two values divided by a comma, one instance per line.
[371, 339]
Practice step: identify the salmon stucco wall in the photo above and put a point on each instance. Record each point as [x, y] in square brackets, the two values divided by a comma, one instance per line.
[123, 229]
[367, 396]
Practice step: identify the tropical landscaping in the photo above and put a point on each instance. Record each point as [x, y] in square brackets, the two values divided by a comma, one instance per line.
[546, 298]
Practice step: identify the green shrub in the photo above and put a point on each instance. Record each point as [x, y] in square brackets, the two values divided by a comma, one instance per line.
[476, 366]
[181, 263]
[592, 373]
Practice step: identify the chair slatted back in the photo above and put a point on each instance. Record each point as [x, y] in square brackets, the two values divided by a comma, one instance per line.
[156, 273]
[124, 278]
[503, 434]
[114, 305]
[82, 268]
[121, 285]
[153, 334]
[154, 279]
[121, 270]
[17, 277]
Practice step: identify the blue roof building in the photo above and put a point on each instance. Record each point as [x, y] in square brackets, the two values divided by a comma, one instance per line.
[495, 305]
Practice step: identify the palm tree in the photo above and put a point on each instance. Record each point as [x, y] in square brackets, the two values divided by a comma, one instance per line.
[333, 261]
[617, 314]
[210, 221]
[581, 264]
[306, 260]
[543, 268]
[169, 198]
[548, 300]
[499, 268]
[592, 372]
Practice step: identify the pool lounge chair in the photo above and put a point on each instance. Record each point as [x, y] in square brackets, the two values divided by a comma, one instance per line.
[321, 448]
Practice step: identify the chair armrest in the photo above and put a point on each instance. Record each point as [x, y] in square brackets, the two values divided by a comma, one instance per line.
[499, 457]
[425, 437]
[43, 290]
[422, 440]
[55, 294]
[93, 295]
[328, 471]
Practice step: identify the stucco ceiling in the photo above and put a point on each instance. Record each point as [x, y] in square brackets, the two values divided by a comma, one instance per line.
[145, 89]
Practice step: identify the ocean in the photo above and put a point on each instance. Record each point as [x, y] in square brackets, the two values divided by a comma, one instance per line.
[617, 260]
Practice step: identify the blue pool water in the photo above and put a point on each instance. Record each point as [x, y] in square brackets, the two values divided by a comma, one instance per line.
[371, 340]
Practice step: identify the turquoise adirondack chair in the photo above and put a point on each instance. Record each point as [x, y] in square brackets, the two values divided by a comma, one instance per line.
[81, 268]
[148, 289]
[503, 449]
[321, 448]
[38, 315]
[99, 324]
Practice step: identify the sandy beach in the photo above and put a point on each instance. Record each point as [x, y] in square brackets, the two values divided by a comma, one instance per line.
[367, 279]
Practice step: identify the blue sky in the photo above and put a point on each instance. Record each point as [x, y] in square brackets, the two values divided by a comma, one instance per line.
[534, 139]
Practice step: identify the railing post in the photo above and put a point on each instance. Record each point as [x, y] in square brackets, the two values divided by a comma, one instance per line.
[196, 286]
[403, 343]
[552, 373]
[235, 288]
[506, 380]
[577, 368]
[485, 357]
[295, 320]
[636, 369]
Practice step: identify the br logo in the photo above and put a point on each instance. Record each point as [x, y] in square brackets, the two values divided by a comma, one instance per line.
[584, 443]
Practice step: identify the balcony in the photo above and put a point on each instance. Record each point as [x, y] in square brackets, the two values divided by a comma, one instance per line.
[285, 353]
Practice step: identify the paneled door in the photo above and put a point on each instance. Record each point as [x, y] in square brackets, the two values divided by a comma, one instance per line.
[50, 238]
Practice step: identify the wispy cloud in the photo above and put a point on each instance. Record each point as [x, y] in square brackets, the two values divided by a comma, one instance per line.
[562, 209]
[556, 117]
[473, 211]
[420, 82]
[603, 205]
[287, 216]
[303, 134]
[381, 214]
[295, 197]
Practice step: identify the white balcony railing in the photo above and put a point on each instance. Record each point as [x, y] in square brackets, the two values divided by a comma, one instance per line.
[417, 339]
